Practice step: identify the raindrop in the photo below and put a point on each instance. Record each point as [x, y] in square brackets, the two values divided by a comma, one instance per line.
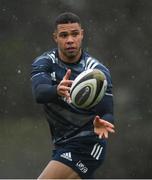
[14, 17]
[115, 56]
[132, 77]
[6, 111]
[5, 88]
[116, 20]
[13, 103]
[138, 28]
[146, 52]
[129, 125]
[2, 161]
[19, 71]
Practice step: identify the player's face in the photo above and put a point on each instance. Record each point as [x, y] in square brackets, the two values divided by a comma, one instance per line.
[69, 39]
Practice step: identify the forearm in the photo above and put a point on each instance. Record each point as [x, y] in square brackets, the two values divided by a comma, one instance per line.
[105, 109]
[45, 93]
[108, 117]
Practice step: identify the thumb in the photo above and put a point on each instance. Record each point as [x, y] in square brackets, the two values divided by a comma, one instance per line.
[96, 121]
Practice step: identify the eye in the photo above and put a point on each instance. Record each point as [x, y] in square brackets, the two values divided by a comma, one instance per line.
[76, 33]
[63, 35]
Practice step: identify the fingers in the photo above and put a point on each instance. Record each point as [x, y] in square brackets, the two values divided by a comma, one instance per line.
[100, 136]
[106, 123]
[63, 88]
[96, 122]
[103, 135]
[102, 127]
[66, 83]
[103, 122]
[67, 75]
[110, 130]
[64, 93]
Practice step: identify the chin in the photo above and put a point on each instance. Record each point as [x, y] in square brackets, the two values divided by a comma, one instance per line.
[71, 55]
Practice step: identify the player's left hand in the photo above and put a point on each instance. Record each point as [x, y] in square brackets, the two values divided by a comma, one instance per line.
[102, 127]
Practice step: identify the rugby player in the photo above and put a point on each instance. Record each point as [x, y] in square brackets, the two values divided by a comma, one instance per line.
[79, 136]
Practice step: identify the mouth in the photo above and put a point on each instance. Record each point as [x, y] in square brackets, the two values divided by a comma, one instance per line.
[70, 49]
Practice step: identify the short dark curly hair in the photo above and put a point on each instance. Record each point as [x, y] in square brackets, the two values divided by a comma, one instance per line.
[67, 17]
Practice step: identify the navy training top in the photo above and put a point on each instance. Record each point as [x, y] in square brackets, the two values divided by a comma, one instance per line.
[65, 120]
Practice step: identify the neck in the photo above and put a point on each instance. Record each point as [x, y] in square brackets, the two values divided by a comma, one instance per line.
[72, 59]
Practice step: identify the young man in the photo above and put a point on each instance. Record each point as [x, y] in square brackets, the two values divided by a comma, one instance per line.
[79, 136]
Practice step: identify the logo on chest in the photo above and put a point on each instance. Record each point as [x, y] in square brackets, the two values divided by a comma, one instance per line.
[53, 76]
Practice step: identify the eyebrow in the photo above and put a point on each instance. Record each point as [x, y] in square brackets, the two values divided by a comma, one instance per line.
[71, 31]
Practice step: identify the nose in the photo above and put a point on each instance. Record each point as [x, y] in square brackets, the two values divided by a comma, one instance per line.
[69, 40]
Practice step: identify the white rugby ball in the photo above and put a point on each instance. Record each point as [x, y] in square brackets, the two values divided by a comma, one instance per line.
[88, 88]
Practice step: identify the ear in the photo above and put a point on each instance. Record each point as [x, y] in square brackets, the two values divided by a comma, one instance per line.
[55, 36]
[82, 33]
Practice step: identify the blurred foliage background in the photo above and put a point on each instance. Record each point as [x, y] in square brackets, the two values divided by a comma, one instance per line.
[117, 32]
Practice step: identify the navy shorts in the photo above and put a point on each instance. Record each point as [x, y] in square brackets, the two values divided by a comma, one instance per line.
[83, 155]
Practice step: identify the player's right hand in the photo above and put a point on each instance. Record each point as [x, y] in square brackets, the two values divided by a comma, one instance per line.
[63, 88]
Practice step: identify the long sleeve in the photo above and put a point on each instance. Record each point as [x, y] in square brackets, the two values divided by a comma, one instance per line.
[42, 87]
[105, 107]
